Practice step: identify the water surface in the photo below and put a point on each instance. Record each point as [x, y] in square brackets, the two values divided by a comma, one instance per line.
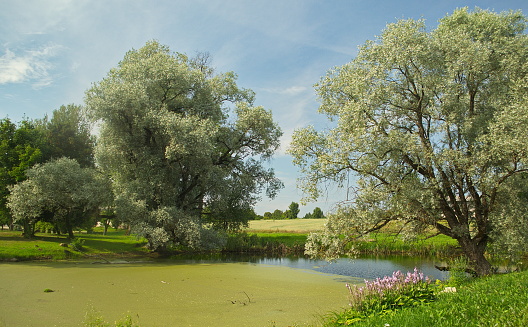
[197, 291]
[362, 267]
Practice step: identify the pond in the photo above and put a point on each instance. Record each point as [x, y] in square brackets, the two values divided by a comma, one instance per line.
[362, 267]
[203, 291]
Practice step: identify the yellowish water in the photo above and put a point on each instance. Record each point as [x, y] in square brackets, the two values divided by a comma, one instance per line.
[218, 294]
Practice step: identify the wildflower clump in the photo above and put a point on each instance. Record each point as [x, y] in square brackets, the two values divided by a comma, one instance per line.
[385, 295]
[392, 291]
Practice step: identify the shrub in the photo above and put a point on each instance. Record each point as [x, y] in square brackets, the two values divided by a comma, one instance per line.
[43, 227]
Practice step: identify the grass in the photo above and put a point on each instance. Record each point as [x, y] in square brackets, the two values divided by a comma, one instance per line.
[393, 244]
[269, 243]
[498, 300]
[278, 237]
[288, 239]
[14, 247]
[386, 242]
[293, 226]
[262, 236]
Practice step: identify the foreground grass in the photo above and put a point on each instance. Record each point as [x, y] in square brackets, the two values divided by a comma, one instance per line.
[499, 300]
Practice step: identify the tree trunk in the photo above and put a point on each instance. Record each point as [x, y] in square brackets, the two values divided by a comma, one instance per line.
[27, 229]
[474, 251]
[69, 229]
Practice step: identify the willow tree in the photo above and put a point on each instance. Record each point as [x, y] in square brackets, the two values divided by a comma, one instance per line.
[181, 144]
[61, 191]
[432, 123]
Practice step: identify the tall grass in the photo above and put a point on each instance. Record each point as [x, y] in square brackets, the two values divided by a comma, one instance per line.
[269, 243]
[382, 243]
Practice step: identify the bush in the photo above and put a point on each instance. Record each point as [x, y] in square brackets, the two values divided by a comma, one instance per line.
[43, 227]
[242, 242]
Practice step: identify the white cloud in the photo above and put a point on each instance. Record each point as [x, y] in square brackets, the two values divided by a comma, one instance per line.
[32, 66]
[289, 91]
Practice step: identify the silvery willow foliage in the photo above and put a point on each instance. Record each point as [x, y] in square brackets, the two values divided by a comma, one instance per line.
[184, 146]
[60, 188]
[432, 125]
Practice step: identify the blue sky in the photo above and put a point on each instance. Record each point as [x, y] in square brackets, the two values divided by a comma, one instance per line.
[52, 50]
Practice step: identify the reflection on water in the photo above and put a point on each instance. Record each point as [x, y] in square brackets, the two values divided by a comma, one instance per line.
[363, 267]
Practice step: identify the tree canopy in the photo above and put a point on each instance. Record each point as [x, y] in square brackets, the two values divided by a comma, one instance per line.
[433, 125]
[68, 134]
[20, 148]
[293, 211]
[180, 142]
[316, 214]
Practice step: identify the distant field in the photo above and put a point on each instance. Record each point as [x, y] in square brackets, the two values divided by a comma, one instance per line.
[303, 226]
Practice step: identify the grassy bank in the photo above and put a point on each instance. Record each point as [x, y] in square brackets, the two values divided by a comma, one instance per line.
[386, 242]
[498, 300]
[268, 243]
[276, 237]
[14, 247]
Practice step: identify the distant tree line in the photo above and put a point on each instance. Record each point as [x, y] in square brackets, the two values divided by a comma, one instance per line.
[292, 213]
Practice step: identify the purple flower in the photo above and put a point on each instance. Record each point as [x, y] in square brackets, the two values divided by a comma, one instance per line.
[378, 287]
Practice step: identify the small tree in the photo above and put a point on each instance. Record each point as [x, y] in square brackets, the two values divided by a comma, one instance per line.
[277, 214]
[292, 212]
[60, 187]
[318, 213]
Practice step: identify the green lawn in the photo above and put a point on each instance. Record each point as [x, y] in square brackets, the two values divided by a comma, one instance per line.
[48, 246]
